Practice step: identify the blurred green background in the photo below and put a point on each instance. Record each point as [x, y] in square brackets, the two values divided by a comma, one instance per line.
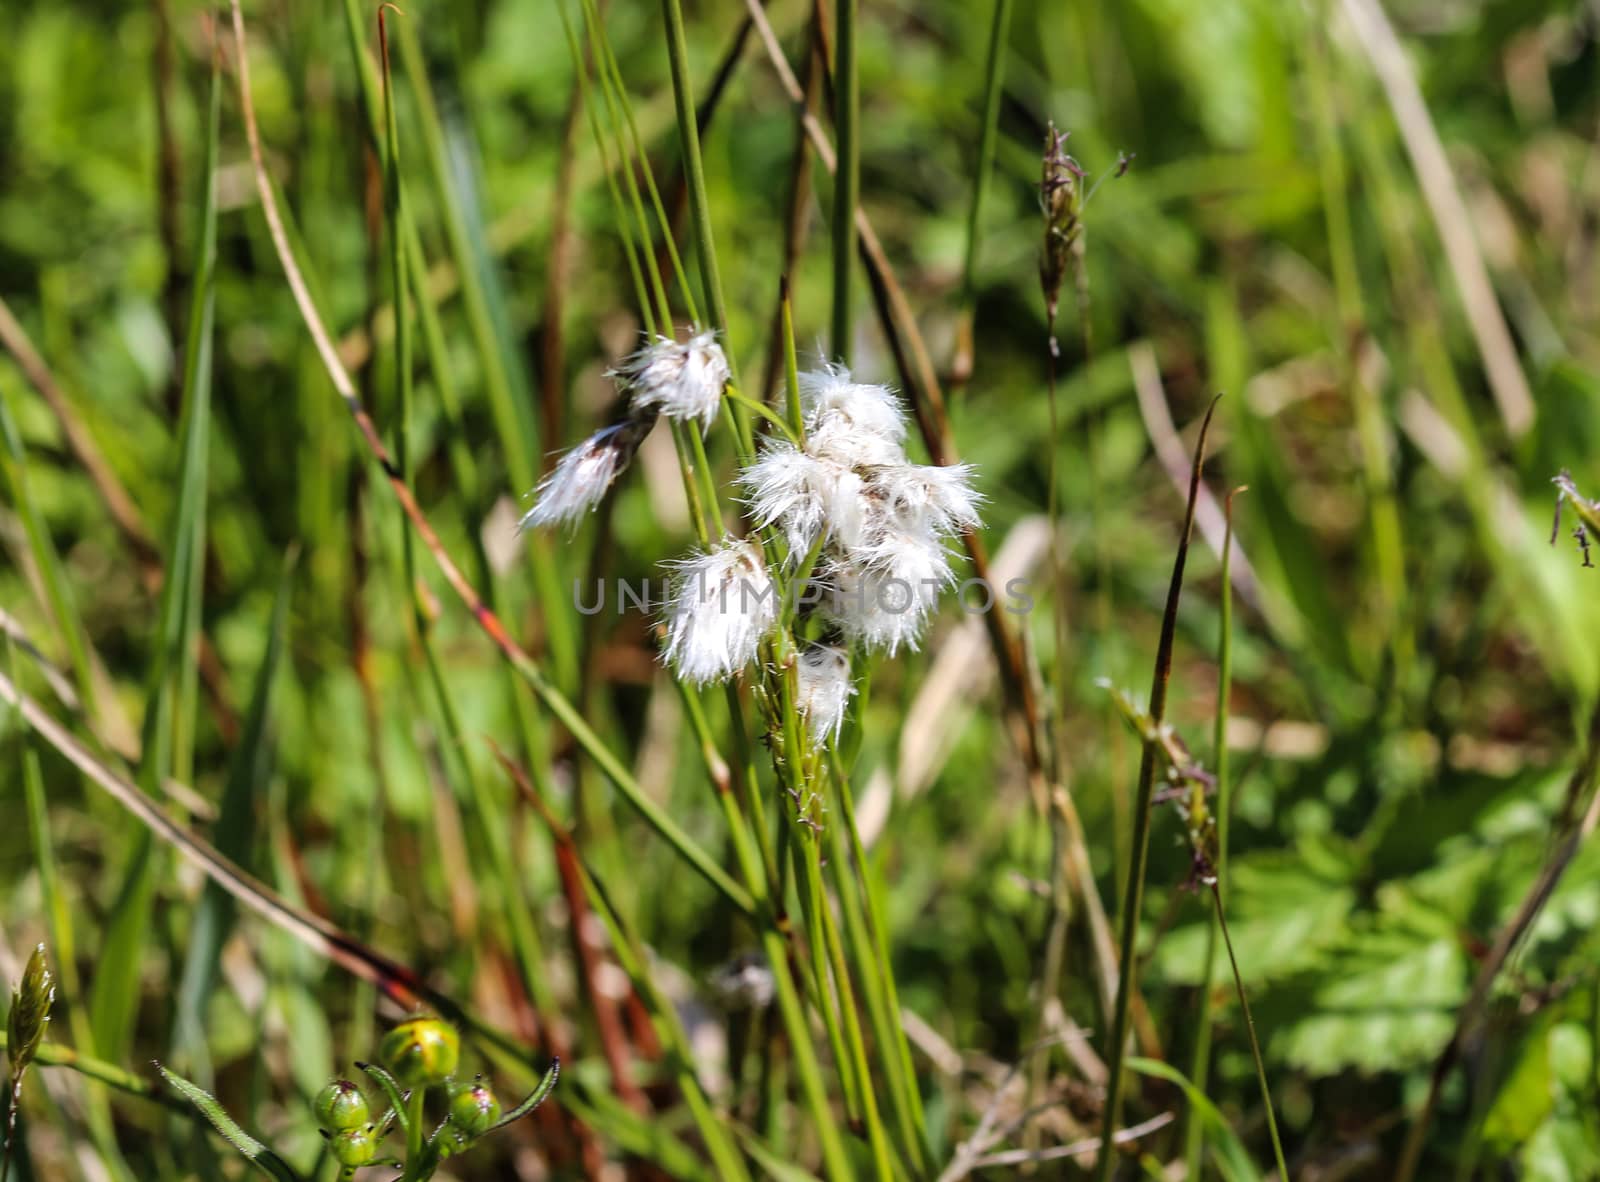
[1415, 664]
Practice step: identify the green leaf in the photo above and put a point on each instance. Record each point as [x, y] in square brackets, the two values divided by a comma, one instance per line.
[395, 1094]
[253, 1151]
[1526, 1097]
[1232, 1161]
[535, 1097]
[1386, 1000]
[1281, 914]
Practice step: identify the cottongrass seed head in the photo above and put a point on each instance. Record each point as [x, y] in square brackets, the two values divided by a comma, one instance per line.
[805, 495]
[723, 603]
[825, 689]
[882, 519]
[580, 481]
[682, 381]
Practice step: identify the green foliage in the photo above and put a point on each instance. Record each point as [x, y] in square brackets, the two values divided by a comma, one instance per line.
[1403, 736]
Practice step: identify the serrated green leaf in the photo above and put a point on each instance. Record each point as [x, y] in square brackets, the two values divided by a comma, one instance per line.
[1385, 1000]
[1281, 916]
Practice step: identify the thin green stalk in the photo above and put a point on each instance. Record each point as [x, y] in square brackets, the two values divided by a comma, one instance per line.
[1250, 1028]
[868, 964]
[700, 209]
[641, 153]
[877, 932]
[395, 212]
[1194, 1137]
[852, 1081]
[97, 1112]
[791, 1008]
[597, 52]
[844, 993]
[54, 1055]
[791, 368]
[415, 1134]
[847, 179]
[1133, 897]
[994, 78]
[57, 591]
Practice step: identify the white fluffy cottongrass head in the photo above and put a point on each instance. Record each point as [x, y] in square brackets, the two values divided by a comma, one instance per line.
[723, 603]
[940, 497]
[877, 610]
[831, 397]
[579, 482]
[825, 689]
[682, 381]
[882, 519]
[806, 496]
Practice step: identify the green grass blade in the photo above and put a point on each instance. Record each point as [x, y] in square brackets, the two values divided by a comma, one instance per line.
[168, 730]
[58, 592]
[250, 1149]
[234, 835]
[1232, 1161]
[847, 180]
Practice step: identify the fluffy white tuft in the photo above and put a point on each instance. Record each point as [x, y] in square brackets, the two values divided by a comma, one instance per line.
[831, 396]
[939, 497]
[805, 495]
[723, 603]
[682, 381]
[879, 610]
[581, 479]
[825, 690]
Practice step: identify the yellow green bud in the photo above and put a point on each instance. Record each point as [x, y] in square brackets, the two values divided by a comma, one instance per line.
[421, 1052]
[474, 1110]
[340, 1106]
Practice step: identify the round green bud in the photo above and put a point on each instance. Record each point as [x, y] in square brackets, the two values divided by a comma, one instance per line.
[474, 1109]
[421, 1052]
[340, 1106]
[354, 1147]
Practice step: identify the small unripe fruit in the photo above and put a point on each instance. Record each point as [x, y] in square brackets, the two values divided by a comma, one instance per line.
[340, 1106]
[474, 1109]
[354, 1147]
[421, 1052]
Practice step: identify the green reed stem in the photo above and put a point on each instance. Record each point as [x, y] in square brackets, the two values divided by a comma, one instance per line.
[994, 78]
[700, 210]
[1194, 1136]
[1250, 1028]
[868, 937]
[641, 153]
[847, 179]
[1133, 897]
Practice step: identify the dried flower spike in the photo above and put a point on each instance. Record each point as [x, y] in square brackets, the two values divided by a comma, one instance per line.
[723, 603]
[682, 381]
